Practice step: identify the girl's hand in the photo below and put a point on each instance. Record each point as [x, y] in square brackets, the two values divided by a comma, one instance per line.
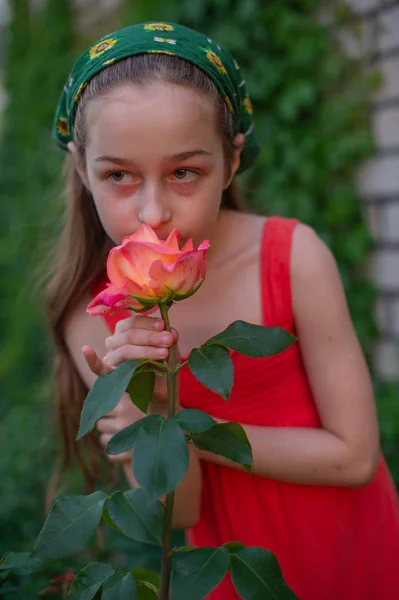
[137, 337]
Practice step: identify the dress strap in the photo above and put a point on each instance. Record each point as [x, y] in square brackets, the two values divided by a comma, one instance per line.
[275, 272]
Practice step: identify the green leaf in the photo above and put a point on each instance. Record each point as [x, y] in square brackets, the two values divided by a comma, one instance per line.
[105, 395]
[253, 340]
[141, 388]
[213, 367]
[69, 526]
[89, 580]
[125, 438]
[197, 573]
[136, 516]
[257, 575]
[120, 586]
[228, 440]
[143, 574]
[193, 420]
[160, 455]
[184, 548]
[233, 547]
[108, 521]
[21, 563]
[146, 591]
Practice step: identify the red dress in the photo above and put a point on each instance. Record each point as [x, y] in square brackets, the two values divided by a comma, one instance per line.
[332, 543]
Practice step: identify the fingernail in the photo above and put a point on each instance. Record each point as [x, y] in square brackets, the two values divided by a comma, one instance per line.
[166, 339]
[158, 324]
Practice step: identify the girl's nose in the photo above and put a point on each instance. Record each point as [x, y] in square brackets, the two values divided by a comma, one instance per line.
[153, 210]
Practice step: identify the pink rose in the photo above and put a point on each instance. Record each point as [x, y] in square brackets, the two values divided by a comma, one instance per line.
[145, 270]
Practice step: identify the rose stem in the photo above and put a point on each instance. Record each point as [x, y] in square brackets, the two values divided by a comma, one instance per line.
[166, 564]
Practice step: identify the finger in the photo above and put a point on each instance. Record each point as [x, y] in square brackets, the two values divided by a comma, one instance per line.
[140, 337]
[129, 352]
[125, 324]
[104, 439]
[175, 335]
[121, 458]
[125, 409]
[107, 425]
[140, 321]
[94, 362]
[146, 322]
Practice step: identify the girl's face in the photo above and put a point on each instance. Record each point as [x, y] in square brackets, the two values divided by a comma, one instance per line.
[154, 155]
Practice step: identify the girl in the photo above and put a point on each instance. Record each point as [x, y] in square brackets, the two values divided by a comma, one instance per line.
[157, 123]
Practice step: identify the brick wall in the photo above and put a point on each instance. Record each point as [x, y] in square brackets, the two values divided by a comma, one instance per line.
[378, 178]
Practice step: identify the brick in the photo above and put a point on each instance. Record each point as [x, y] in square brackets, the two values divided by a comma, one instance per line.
[388, 31]
[389, 69]
[362, 6]
[386, 360]
[382, 312]
[372, 214]
[394, 315]
[386, 127]
[387, 317]
[385, 270]
[379, 176]
[389, 223]
[363, 42]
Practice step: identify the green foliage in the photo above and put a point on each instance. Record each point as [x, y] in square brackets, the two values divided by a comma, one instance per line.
[253, 340]
[228, 440]
[211, 364]
[121, 586]
[160, 456]
[136, 516]
[141, 388]
[69, 526]
[193, 420]
[89, 580]
[197, 572]
[105, 395]
[257, 575]
[213, 367]
[38, 58]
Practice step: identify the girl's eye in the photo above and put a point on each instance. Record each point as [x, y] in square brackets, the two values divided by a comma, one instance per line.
[181, 174]
[119, 176]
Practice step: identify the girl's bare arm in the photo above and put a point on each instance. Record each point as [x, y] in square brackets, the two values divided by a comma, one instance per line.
[345, 451]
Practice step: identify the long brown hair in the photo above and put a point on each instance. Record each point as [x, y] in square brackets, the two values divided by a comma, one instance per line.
[84, 245]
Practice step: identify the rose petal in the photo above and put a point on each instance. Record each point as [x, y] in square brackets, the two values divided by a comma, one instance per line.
[170, 253]
[110, 300]
[145, 233]
[204, 245]
[181, 277]
[173, 239]
[134, 259]
[188, 246]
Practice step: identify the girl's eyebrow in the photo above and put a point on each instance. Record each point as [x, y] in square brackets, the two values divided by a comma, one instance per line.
[171, 158]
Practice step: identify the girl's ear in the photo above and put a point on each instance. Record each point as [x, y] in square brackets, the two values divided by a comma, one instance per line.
[239, 142]
[78, 164]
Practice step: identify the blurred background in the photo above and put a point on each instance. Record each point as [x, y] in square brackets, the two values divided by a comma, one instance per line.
[324, 81]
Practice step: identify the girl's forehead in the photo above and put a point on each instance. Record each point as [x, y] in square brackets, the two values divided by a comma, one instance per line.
[142, 97]
[155, 120]
[163, 108]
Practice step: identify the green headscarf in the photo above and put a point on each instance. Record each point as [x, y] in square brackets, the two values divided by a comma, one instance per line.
[163, 38]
